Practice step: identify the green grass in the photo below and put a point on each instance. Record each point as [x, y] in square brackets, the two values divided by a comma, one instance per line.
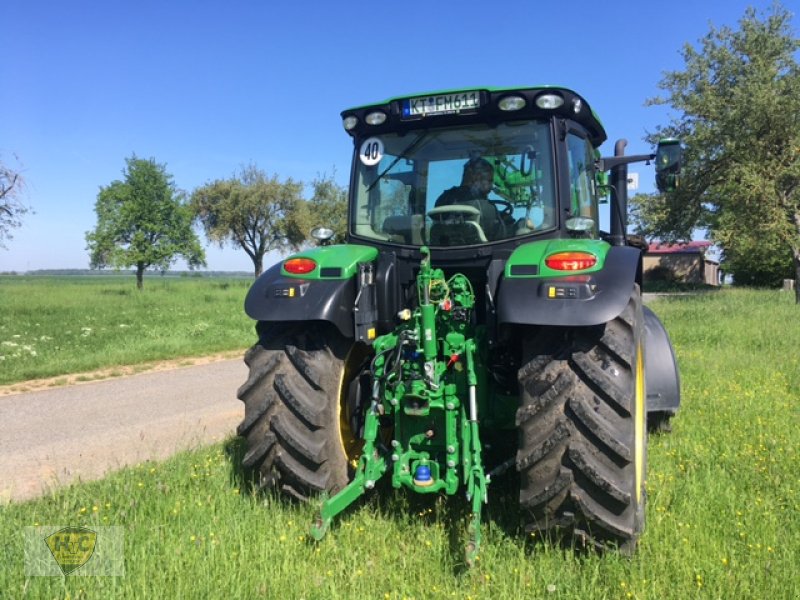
[723, 517]
[58, 325]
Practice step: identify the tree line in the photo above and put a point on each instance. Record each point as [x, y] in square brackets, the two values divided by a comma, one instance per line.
[144, 221]
[735, 106]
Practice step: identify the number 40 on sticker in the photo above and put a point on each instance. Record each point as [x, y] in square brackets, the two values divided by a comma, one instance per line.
[371, 151]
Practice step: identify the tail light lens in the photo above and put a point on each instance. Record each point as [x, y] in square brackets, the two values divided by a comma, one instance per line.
[571, 261]
[299, 266]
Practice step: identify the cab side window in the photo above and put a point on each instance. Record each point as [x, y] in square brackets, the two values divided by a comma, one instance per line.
[583, 192]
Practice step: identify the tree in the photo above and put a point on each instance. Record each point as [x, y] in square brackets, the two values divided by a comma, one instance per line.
[12, 186]
[738, 105]
[327, 207]
[250, 210]
[143, 221]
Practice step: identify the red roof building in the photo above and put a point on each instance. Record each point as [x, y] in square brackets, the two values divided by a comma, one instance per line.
[696, 247]
[682, 262]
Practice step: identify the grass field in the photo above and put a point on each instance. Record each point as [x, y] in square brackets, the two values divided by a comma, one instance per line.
[55, 325]
[723, 517]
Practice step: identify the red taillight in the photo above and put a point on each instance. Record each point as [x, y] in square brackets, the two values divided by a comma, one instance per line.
[299, 266]
[571, 261]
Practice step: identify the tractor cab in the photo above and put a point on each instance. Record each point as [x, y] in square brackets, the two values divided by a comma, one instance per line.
[474, 168]
[455, 187]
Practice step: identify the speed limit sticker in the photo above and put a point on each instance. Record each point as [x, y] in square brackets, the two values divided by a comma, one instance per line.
[371, 151]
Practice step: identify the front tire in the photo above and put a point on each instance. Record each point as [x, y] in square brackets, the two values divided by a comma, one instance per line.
[296, 441]
[582, 430]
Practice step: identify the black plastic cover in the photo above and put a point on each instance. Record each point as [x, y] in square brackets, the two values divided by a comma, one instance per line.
[526, 301]
[274, 297]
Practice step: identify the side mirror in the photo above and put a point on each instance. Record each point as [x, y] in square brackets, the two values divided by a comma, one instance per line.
[669, 158]
[323, 235]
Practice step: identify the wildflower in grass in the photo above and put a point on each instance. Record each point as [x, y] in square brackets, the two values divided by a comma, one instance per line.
[95, 508]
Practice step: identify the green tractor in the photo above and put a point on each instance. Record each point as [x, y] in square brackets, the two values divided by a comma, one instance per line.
[476, 321]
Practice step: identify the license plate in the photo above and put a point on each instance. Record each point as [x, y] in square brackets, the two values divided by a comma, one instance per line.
[441, 104]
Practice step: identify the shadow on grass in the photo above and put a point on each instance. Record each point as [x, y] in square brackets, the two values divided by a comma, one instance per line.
[240, 476]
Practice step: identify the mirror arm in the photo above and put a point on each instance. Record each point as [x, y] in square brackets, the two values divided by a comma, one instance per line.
[609, 162]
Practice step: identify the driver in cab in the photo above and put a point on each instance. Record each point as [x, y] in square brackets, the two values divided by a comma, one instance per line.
[476, 183]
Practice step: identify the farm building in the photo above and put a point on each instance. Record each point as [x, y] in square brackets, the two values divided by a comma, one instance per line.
[685, 263]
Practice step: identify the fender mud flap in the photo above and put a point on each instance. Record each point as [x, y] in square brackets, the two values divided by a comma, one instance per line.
[661, 368]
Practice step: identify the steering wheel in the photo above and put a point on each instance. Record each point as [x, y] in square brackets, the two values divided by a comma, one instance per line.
[506, 209]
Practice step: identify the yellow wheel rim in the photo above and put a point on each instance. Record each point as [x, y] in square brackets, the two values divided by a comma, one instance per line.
[351, 445]
[639, 423]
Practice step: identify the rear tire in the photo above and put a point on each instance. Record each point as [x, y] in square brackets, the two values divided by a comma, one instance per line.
[582, 430]
[295, 441]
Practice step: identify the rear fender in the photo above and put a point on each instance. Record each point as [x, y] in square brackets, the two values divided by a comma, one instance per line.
[578, 300]
[660, 368]
[328, 293]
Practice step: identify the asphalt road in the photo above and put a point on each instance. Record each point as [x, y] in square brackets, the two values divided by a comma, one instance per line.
[54, 437]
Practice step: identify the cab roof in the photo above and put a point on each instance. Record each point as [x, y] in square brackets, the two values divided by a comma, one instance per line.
[446, 108]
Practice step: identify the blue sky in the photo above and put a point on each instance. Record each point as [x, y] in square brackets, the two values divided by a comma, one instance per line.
[206, 87]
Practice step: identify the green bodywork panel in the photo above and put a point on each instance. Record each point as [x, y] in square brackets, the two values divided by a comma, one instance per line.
[342, 256]
[535, 253]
